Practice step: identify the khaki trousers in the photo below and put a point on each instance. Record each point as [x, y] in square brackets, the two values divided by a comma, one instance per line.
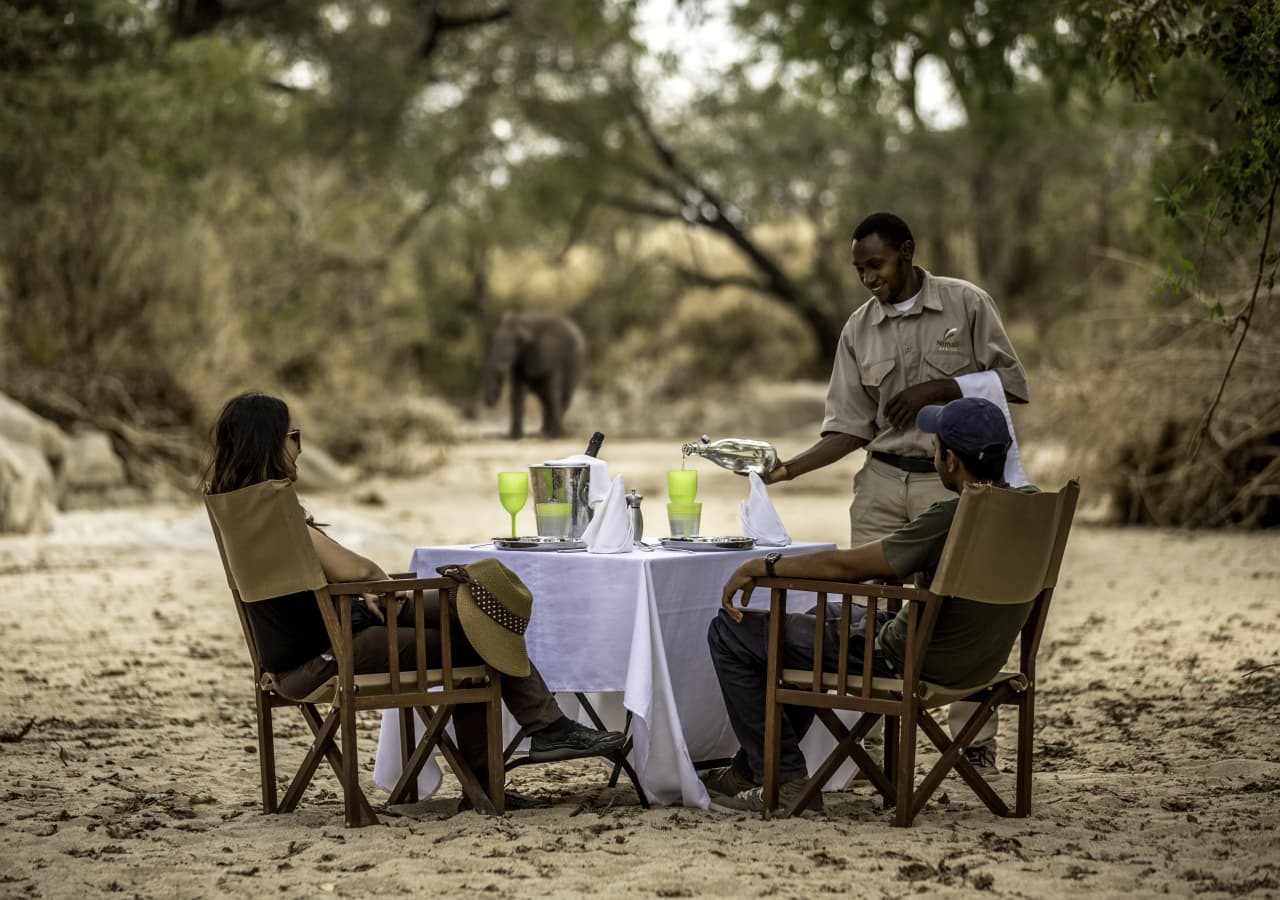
[884, 499]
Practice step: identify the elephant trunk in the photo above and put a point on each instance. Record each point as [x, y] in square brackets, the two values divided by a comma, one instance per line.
[492, 383]
[500, 358]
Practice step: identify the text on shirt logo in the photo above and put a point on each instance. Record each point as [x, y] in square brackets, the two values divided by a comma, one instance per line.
[950, 340]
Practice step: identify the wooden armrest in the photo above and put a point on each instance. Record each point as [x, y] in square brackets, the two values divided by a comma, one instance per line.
[854, 588]
[391, 585]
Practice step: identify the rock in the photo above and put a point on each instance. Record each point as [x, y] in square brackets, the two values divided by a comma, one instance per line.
[21, 426]
[95, 475]
[27, 488]
[92, 463]
[318, 471]
[32, 454]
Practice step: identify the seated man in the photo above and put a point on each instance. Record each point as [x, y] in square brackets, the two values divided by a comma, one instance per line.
[971, 641]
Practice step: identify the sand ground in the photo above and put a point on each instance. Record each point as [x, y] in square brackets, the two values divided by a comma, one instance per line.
[128, 753]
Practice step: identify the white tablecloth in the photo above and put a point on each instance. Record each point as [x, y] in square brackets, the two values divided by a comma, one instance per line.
[635, 623]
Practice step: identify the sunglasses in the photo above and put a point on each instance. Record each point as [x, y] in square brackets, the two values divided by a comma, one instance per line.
[295, 435]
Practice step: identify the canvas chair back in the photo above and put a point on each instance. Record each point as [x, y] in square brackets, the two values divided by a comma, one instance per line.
[1005, 546]
[261, 532]
[262, 537]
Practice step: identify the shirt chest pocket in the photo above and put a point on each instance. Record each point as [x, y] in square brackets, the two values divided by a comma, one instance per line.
[949, 353]
[946, 362]
[874, 373]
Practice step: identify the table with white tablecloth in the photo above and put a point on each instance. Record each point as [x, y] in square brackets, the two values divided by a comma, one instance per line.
[633, 623]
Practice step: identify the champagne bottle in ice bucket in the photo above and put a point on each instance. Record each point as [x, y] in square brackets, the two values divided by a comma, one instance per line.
[734, 454]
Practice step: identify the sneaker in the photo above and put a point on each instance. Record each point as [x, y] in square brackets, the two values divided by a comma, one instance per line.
[982, 758]
[573, 741]
[726, 781]
[752, 799]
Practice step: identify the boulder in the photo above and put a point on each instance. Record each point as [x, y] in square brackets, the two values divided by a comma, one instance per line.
[27, 488]
[92, 463]
[33, 452]
[21, 426]
[95, 475]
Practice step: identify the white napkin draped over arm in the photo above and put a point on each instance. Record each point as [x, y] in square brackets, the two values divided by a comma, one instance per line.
[610, 530]
[598, 483]
[987, 385]
[759, 518]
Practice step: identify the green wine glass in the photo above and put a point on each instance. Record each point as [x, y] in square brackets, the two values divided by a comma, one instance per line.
[513, 491]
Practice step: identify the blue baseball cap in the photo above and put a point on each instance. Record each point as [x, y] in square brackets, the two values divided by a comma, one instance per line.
[970, 426]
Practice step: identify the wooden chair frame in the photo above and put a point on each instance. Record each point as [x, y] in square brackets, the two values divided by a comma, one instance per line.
[903, 703]
[267, 552]
[455, 686]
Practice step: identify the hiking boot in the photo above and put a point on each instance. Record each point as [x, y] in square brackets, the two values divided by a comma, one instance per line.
[982, 758]
[752, 799]
[573, 740]
[726, 781]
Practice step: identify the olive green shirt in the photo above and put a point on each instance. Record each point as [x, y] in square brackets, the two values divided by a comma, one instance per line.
[953, 329]
[971, 640]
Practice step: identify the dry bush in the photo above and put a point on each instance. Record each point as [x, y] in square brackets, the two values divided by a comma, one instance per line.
[704, 369]
[394, 433]
[1129, 400]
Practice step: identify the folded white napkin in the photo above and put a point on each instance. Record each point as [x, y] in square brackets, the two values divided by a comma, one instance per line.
[598, 486]
[610, 530]
[988, 386]
[759, 519]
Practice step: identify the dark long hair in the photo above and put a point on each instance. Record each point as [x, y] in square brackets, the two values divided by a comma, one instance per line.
[248, 443]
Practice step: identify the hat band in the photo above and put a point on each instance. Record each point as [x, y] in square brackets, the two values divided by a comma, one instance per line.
[493, 608]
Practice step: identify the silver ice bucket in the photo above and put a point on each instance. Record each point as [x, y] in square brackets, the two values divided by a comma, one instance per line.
[560, 499]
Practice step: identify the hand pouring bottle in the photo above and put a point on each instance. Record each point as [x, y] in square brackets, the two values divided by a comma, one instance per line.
[734, 454]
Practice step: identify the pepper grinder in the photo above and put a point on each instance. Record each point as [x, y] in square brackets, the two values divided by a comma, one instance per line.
[637, 517]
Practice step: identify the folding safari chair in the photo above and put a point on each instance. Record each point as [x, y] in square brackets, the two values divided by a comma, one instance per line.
[266, 552]
[1004, 547]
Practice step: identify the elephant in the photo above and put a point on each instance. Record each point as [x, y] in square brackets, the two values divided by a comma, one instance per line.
[544, 353]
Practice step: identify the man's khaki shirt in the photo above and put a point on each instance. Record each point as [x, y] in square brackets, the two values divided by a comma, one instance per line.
[953, 329]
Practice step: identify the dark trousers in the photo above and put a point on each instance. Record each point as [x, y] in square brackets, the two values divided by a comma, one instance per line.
[529, 700]
[740, 652]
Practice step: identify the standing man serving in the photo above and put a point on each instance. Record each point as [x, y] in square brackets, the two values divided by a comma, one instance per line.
[900, 351]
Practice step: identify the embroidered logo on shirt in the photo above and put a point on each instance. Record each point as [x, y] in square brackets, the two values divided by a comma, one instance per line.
[950, 340]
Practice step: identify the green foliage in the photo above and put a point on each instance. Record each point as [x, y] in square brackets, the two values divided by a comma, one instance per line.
[1232, 51]
[339, 200]
[987, 47]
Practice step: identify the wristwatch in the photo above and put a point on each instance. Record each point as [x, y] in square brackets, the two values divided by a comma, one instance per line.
[769, 561]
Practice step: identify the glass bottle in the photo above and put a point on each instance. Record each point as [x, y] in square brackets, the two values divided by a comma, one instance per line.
[734, 454]
[593, 445]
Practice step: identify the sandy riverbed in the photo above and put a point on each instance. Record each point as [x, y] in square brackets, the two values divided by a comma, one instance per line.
[127, 736]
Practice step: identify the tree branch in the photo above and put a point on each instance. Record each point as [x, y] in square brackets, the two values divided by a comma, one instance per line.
[438, 23]
[716, 282]
[336, 262]
[639, 207]
[713, 213]
[1246, 316]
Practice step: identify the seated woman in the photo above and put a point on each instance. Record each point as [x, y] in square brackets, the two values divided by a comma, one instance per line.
[254, 441]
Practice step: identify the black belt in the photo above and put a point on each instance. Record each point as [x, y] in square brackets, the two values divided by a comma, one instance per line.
[905, 463]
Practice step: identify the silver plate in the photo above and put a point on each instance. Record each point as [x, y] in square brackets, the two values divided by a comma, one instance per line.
[537, 542]
[697, 543]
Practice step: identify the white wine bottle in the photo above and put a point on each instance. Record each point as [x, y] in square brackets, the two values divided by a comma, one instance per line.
[734, 454]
